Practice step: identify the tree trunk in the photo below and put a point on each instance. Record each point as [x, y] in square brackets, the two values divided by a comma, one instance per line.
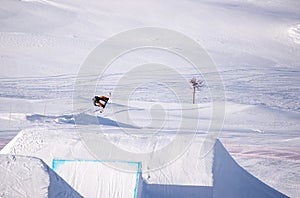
[194, 90]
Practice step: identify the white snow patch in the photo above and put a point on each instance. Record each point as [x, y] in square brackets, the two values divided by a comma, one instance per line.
[294, 33]
[254, 46]
[94, 178]
[23, 176]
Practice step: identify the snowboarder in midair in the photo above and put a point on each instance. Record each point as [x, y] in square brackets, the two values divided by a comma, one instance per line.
[101, 101]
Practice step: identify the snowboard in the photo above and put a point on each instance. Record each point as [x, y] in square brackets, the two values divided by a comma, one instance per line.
[103, 102]
[104, 105]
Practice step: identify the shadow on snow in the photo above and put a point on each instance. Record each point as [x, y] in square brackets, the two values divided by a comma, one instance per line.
[78, 119]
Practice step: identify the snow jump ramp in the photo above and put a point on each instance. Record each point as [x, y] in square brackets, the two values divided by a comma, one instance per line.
[92, 178]
[229, 181]
[98, 178]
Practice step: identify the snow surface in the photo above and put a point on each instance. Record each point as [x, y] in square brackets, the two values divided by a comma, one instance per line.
[58, 140]
[23, 176]
[242, 184]
[255, 45]
[103, 179]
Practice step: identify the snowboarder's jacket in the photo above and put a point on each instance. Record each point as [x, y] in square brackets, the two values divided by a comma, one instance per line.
[97, 101]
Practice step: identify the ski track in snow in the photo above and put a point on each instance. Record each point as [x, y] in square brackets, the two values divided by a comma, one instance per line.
[242, 144]
[50, 87]
[294, 33]
[241, 86]
[255, 46]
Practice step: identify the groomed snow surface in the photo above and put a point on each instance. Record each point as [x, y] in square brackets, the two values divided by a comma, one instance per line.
[61, 147]
[255, 46]
[24, 176]
[31, 177]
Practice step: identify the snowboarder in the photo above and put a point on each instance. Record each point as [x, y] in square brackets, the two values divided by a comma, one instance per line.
[101, 101]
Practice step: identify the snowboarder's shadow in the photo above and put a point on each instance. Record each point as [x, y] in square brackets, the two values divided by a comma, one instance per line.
[86, 119]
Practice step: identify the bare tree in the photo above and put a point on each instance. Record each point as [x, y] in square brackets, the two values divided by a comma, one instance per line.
[197, 84]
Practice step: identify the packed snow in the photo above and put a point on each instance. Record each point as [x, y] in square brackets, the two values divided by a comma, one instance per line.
[254, 44]
[23, 176]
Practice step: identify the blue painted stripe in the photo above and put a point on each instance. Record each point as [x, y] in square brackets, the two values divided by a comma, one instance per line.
[55, 162]
[137, 180]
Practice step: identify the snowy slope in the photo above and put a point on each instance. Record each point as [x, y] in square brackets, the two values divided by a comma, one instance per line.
[101, 178]
[230, 180]
[23, 176]
[57, 139]
[255, 45]
[92, 178]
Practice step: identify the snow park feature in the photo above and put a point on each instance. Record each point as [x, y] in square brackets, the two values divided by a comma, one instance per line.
[215, 175]
[23, 176]
[97, 178]
[239, 139]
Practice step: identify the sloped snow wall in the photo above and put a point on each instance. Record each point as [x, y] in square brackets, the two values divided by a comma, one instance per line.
[229, 180]
[31, 177]
[95, 178]
[22, 176]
